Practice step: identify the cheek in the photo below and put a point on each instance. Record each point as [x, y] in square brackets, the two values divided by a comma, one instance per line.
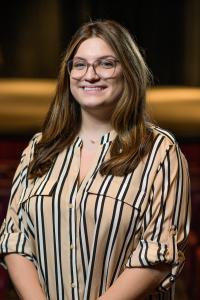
[73, 88]
[119, 84]
[118, 88]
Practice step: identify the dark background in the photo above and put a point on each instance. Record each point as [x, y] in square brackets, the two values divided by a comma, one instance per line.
[33, 36]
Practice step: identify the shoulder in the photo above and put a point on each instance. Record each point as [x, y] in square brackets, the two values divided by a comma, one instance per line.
[166, 138]
[164, 143]
[26, 158]
[28, 152]
[36, 138]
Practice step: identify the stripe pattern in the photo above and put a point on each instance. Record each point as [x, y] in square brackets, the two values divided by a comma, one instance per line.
[81, 238]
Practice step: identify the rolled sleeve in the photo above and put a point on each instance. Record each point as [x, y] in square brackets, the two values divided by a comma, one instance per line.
[13, 242]
[166, 220]
[14, 237]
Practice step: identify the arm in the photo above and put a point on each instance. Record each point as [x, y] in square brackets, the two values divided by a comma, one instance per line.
[145, 281]
[158, 258]
[24, 277]
[16, 247]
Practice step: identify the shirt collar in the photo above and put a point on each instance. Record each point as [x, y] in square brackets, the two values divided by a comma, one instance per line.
[106, 138]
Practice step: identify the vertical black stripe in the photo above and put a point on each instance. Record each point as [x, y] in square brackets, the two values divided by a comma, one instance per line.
[57, 243]
[131, 231]
[85, 245]
[97, 228]
[178, 184]
[41, 211]
[114, 216]
[38, 239]
[147, 169]
[73, 275]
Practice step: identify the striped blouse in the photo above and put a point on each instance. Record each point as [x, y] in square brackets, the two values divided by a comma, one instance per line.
[81, 238]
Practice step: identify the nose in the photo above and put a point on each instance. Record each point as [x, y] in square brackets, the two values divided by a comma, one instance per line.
[90, 74]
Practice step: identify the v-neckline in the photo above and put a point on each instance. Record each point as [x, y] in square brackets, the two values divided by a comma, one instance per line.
[106, 138]
[81, 184]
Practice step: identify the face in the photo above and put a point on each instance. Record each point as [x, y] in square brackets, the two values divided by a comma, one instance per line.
[92, 91]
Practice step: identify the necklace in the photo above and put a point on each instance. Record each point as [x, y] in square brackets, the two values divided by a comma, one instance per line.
[93, 141]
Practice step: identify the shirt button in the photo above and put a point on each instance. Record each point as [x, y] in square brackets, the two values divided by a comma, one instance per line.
[70, 205]
[73, 285]
[172, 278]
[173, 229]
[72, 247]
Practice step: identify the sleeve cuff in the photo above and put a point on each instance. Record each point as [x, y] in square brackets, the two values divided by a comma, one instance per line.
[14, 243]
[150, 253]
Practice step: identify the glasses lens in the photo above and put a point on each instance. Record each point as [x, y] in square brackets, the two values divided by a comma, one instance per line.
[77, 68]
[105, 67]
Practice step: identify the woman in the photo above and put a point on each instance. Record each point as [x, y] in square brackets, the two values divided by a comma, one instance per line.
[100, 205]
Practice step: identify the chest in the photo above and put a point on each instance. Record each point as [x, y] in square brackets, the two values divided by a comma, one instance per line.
[74, 184]
[87, 161]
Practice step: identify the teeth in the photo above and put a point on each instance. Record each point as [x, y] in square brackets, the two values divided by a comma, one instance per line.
[92, 88]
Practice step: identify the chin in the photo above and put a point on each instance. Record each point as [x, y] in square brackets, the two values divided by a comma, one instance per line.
[102, 108]
[92, 106]
[92, 103]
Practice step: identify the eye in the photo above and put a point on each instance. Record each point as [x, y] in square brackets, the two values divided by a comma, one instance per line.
[107, 63]
[79, 65]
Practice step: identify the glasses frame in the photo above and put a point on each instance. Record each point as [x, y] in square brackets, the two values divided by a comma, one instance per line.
[93, 65]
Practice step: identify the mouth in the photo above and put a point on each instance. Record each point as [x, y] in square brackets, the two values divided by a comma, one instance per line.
[93, 88]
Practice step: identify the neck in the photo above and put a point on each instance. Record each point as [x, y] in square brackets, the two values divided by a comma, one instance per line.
[93, 126]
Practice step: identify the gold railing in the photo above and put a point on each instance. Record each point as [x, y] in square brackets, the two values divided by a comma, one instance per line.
[24, 103]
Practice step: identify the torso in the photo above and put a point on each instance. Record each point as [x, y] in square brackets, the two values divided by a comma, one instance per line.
[82, 236]
[86, 160]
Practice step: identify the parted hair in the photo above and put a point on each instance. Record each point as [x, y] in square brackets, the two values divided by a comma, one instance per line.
[129, 119]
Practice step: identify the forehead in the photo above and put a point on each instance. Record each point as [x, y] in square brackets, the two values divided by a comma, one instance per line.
[94, 48]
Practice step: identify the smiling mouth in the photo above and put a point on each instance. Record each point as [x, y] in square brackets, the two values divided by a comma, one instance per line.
[93, 88]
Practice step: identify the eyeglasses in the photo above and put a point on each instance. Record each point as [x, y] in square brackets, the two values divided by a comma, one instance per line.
[104, 67]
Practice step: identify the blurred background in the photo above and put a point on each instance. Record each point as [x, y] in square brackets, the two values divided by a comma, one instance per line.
[33, 36]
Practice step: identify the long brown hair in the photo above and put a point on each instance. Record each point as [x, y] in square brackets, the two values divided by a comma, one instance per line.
[63, 120]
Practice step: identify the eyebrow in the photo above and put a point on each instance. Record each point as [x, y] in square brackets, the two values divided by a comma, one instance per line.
[101, 57]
